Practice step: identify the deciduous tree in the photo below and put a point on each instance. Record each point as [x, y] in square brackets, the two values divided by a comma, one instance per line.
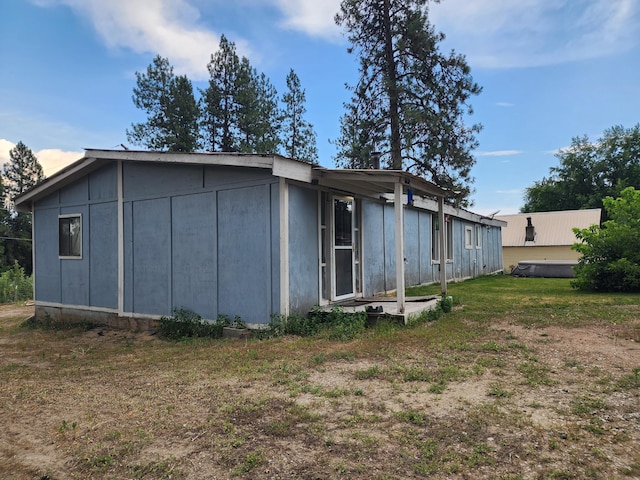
[610, 254]
[589, 172]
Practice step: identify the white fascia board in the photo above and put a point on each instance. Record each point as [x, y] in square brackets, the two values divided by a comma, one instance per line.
[432, 205]
[292, 169]
[57, 180]
[214, 158]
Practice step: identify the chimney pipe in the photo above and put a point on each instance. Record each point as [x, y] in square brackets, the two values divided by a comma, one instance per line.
[530, 231]
[375, 160]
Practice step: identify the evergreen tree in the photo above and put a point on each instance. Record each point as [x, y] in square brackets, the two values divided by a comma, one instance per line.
[299, 138]
[269, 124]
[410, 100]
[171, 108]
[219, 106]
[240, 106]
[22, 172]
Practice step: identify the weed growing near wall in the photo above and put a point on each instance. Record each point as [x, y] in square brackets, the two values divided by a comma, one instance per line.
[185, 323]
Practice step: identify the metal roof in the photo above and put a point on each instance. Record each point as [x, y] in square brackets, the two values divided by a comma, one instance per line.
[551, 228]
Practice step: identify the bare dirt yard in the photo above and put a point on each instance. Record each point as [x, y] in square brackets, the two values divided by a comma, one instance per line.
[447, 399]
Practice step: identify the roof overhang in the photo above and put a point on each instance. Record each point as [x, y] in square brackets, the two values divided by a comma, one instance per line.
[94, 159]
[373, 184]
[376, 183]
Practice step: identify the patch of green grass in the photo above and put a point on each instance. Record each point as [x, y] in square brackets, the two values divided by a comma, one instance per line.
[584, 405]
[535, 373]
[497, 390]
[251, 461]
[366, 374]
[411, 416]
[630, 381]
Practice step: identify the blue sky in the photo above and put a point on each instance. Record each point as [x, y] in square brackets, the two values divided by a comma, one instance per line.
[550, 69]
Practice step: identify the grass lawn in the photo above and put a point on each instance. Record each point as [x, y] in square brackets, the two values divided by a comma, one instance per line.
[524, 379]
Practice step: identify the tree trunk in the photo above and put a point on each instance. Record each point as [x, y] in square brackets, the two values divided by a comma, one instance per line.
[392, 89]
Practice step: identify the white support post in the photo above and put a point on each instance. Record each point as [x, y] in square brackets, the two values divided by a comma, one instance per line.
[443, 247]
[33, 250]
[399, 218]
[120, 240]
[283, 192]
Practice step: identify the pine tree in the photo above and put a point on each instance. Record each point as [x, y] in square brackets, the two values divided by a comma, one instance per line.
[299, 138]
[410, 100]
[219, 106]
[171, 108]
[22, 172]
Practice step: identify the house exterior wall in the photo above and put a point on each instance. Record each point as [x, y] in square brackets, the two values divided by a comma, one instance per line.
[200, 237]
[207, 238]
[512, 255]
[379, 248]
[304, 276]
[91, 280]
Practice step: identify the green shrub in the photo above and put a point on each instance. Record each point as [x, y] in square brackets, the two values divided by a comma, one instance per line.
[185, 323]
[15, 286]
[610, 255]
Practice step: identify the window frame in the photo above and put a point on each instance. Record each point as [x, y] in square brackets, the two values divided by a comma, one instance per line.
[60, 253]
[435, 239]
[468, 237]
[478, 237]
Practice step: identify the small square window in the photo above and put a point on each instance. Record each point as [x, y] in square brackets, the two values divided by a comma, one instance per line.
[70, 236]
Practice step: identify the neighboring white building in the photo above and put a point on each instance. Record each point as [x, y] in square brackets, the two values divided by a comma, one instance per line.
[543, 235]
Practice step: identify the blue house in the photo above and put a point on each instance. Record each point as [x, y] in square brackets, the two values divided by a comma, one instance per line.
[124, 237]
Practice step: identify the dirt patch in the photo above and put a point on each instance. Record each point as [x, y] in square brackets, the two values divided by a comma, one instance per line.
[517, 402]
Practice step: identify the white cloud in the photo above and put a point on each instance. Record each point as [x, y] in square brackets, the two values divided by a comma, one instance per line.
[505, 104]
[312, 17]
[51, 159]
[507, 33]
[171, 28]
[499, 153]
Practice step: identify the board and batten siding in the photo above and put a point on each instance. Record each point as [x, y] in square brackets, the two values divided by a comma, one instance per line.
[199, 237]
[91, 280]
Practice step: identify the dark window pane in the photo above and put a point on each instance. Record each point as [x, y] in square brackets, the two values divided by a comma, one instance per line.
[70, 237]
[343, 212]
[344, 272]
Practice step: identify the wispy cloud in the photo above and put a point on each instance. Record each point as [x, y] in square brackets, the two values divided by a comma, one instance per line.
[499, 153]
[312, 17]
[503, 33]
[492, 33]
[171, 28]
[505, 104]
[51, 159]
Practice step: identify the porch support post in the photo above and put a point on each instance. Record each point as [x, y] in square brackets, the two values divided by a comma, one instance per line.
[443, 246]
[399, 217]
[283, 194]
[120, 239]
